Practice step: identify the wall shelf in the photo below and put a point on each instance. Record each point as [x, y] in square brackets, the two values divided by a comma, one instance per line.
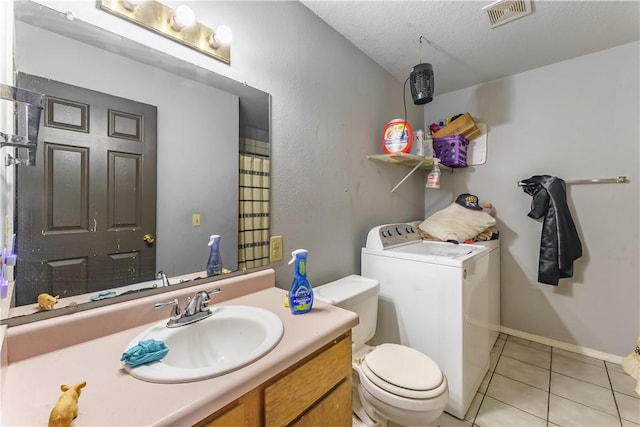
[408, 160]
[30, 105]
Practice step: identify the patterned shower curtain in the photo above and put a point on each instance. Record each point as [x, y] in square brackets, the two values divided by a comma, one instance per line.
[253, 224]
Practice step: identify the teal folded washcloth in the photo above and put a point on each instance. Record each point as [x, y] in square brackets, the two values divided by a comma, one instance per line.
[145, 352]
[103, 295]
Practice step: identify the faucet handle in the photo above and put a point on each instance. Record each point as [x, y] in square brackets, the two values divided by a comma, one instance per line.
[175, 311]
[214, 291]
[205, 298]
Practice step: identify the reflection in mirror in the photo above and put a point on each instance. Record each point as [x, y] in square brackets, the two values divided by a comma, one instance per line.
[212, 168]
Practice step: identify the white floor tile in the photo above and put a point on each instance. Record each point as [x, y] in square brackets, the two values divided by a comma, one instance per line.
[446, 420]
[623, 383]
[629, 407]
[527, 354]
[580, 370]
[497, 414]
[485, 382]
[524, 372]
[531, 384]
[588, 394]
[520, 395]
[499, 345]
[473, 408]
[581, 357]
[614, 367]
[533, 344]
[493, 360]
[565, 412]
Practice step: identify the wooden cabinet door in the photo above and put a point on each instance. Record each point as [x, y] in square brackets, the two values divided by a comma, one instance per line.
[294, 394]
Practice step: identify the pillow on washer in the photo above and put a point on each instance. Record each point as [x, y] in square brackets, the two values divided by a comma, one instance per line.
[457, 223]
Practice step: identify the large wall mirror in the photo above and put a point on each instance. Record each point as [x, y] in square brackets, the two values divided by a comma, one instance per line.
[211, 158]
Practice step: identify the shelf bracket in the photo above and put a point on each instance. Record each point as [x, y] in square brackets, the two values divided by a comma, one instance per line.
[407, 176]
[33, 104]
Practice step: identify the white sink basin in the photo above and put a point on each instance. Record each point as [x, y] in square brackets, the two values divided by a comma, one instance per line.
[233, 337]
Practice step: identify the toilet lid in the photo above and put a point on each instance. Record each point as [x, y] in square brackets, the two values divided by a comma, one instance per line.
[404, 367]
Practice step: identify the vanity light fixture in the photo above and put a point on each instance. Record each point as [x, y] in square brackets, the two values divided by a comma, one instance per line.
[179, 25]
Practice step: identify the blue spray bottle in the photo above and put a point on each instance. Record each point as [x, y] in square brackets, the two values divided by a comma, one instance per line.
[214, 264]
[301, 293]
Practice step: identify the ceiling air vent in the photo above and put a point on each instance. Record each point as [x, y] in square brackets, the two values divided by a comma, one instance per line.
[504, 11]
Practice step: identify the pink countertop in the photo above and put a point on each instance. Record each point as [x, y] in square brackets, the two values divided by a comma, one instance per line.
[32, 379]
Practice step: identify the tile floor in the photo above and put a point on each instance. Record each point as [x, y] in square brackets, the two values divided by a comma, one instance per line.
[531, 384]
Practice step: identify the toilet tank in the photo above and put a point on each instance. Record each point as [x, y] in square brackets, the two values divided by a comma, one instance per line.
[358, 294]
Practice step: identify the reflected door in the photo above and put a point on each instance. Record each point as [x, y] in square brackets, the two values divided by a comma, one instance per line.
[86, 215]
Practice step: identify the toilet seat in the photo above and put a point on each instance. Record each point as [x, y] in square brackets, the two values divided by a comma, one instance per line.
[403, 370]
[404, 378]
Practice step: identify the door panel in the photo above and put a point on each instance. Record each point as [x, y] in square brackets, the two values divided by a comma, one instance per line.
[91, 197]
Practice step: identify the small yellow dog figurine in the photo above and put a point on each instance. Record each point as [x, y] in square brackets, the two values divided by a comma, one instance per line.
[66, 410]
[46, 301]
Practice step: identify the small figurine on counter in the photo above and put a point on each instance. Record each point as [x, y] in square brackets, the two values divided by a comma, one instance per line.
[66, 410]
[46, 301]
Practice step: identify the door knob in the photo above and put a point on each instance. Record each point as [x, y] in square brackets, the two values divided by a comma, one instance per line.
[149, 239]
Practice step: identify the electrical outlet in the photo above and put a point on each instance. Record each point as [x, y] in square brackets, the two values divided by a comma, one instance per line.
[275, 248]
[195, 220]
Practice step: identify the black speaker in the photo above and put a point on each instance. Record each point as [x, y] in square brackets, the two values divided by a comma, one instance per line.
[421, 80]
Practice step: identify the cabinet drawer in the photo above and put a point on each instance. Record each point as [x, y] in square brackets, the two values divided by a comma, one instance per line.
[334, 410]
[245, 412]
[293, 394]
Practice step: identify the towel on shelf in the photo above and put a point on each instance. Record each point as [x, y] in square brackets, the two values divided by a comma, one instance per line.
[145, 352]
[560, 245]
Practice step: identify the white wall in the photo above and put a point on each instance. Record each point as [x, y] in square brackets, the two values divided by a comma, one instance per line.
[573, 119]
[330, 103]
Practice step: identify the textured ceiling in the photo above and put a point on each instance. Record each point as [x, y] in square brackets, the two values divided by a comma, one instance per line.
[463, 48]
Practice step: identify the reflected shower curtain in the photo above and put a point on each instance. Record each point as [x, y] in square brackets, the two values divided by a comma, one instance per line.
[253, 224]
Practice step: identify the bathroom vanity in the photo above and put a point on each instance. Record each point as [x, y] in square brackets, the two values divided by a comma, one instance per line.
[315, 391]
[305, 378]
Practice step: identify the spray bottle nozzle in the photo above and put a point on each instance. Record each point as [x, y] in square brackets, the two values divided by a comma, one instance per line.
[213, 238]
[296, 252]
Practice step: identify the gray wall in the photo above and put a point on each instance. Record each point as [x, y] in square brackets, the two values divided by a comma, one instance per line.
[197, 141]
[573, 119]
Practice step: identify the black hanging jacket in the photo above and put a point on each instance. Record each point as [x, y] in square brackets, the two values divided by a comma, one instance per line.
[559, 243]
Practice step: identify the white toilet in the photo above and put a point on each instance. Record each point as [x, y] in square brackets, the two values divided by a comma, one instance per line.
[391, 382]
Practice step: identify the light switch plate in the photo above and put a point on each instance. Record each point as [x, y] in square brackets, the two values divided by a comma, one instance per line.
[195, 220]
[275, 248]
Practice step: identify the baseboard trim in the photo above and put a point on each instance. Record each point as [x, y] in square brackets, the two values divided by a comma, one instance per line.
[613, 358]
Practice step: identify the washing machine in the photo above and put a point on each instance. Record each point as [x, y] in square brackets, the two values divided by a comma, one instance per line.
[440, 298]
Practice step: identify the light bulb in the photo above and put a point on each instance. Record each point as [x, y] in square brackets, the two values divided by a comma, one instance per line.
[222, 37]
[131, 4]
[182, 17]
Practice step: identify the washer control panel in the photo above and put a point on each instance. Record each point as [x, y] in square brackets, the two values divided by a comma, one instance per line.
[390, 235]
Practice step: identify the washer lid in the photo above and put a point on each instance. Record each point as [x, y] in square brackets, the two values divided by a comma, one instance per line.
[404, 367]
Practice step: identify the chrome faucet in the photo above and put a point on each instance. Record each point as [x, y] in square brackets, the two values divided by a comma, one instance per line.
[163, 276]
[197, 309]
